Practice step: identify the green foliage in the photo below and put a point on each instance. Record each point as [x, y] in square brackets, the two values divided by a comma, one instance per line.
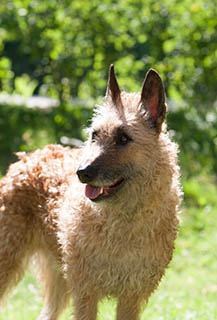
[6, 74]
[64, 48]
[24, 129]
[67, 46]
[24, 85]
[196, 134]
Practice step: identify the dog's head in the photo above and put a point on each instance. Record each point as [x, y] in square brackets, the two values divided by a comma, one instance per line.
[123, 140]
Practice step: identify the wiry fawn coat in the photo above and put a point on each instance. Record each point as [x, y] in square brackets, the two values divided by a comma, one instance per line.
[119, 246]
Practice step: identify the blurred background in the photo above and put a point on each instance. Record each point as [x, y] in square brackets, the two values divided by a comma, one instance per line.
[54, 61]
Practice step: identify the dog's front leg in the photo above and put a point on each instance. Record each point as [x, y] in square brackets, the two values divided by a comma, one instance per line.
[85, 306]
[128, 308]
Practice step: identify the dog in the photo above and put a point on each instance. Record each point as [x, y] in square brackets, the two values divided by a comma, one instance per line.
[100, 220]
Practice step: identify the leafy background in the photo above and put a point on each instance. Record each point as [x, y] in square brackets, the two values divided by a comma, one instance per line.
[62, 49]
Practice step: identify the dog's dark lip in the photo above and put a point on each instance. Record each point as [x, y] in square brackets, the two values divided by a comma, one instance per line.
[109, 191]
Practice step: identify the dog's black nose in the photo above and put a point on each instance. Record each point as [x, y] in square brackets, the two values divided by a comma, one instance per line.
[87, 174]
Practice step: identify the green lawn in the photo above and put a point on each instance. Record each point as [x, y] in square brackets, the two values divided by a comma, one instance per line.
[189, 289]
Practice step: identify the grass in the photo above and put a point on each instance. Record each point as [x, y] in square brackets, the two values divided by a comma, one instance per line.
[189, 289]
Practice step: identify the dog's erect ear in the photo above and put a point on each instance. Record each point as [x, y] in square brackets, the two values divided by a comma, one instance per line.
[153, 98]
[113, 90]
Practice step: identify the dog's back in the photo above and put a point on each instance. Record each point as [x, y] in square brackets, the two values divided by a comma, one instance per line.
[108, 230]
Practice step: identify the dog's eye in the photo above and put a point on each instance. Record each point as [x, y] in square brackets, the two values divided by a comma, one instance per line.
[94, 135]
[122, 139]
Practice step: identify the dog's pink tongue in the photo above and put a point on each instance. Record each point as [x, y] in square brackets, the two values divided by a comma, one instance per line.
[92, 192]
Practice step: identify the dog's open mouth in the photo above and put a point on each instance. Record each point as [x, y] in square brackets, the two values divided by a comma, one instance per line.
[98, 192]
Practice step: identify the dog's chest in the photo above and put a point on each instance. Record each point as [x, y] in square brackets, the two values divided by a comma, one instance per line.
[114, 254]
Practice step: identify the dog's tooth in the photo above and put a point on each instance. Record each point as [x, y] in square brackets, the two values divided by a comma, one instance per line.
[101, 190]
